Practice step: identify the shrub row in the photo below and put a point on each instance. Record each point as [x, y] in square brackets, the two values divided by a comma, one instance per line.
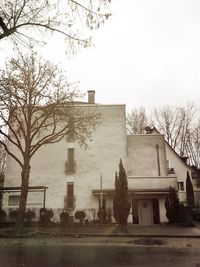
[46, 215]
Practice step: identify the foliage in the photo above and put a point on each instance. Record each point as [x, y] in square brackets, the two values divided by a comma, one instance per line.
[80, 215]
[179, 124]
[189, 191]
[46, 215]
[196, 214]
[137, 120]
[176, 124]
[172, 206]
[38, 108]
[25, 21]
[121, 204]
[175, 211]
[29, 215]
[93, 212]
[13, 214]
[3, 215]
[109, 215]
[102, 214]
[64, 217]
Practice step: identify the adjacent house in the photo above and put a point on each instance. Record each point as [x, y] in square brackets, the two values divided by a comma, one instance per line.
[65, 176]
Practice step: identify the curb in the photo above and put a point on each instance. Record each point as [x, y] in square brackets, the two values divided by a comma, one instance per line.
[80, 235]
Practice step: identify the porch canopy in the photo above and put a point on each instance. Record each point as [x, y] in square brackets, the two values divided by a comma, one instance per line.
[135, 193]
[14, 189]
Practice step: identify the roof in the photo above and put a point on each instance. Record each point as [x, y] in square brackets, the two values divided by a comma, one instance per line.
[181, 158]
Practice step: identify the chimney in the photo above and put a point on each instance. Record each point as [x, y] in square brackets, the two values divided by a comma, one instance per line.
[91, 96]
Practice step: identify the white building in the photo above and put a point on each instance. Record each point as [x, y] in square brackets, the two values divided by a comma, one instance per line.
[65, 176]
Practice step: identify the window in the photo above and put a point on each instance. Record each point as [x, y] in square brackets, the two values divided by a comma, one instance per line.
[70, 161]
[70, 195]
[13, 200]
[180, 186]
[71, 134]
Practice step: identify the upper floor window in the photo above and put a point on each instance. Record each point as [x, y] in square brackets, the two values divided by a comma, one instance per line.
[71, 134]
[70, 164]
[13, 200]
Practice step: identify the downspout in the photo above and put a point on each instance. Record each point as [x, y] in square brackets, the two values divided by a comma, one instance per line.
[158, 158]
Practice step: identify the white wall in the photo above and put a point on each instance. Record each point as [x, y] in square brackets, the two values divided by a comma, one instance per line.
[162, 210]
[180, 169]
[153, 183]
[108, 145]
[142, 155]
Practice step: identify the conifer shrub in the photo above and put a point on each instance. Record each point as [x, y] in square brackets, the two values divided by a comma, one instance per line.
[172, 206]
[176, 212]
[121, 204]
[189, 191]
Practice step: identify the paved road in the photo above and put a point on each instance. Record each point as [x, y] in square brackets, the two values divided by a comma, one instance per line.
[98, 252]
[79, 256]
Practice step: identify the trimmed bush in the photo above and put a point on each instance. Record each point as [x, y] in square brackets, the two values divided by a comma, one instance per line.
[80, 215]
[64, 217]
[13, 214]
[3, 215]
[196, 214]
[46, 215]
[29, 215]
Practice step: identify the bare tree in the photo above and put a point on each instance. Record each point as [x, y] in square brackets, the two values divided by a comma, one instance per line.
[38, 108]
[176, 123]
[193, 146]
[137, 120]
[31, 20]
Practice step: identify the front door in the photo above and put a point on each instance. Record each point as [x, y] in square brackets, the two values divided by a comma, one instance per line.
[145, 211]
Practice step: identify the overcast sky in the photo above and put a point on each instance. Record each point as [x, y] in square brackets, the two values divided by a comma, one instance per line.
[147, 54]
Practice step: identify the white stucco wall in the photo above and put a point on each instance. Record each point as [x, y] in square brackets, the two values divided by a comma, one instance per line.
[142, 155]
[180, 169]
[162, 210]
[108, 145]
[152, 183]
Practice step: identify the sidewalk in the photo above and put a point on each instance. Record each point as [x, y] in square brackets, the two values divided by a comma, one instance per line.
[162, 230]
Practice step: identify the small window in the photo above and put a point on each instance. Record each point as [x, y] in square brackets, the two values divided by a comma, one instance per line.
[180, 186]
[70, 159]
[13, 200]
[70, 195]
[71, 133]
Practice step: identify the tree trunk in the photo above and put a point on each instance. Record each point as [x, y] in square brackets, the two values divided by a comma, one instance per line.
[24, 194]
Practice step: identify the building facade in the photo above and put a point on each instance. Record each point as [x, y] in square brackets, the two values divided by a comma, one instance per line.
[65, 176]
